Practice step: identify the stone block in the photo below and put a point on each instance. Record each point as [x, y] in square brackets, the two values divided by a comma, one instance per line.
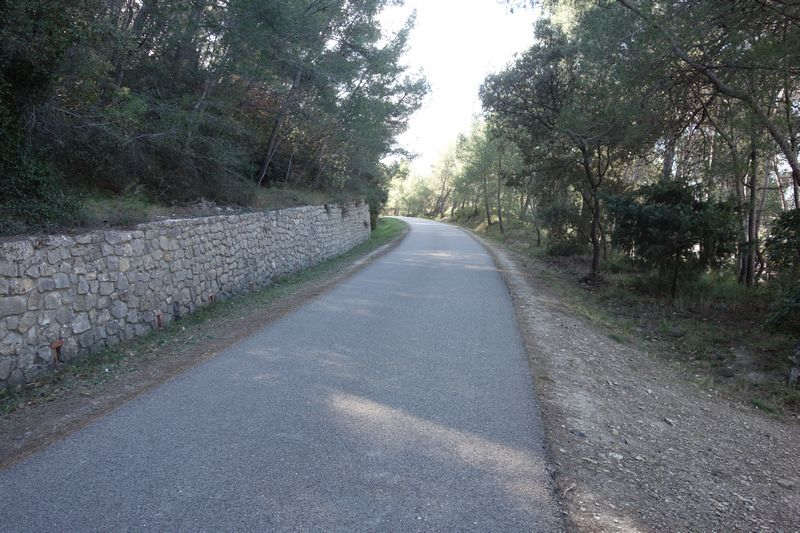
[83, 286]
[64, 316]
[11, 344]
[81, 323]
[20, 286]
[117, 237]
[12, 305]
[119, 309]
[8, 269]
[61, 280]
[106, 288]
[33, 271]
[168, 244]
[17, 251]
[45, 284]
[52, 300]
[43, 355]
[26, 322]
[6, 366]
[17, 377]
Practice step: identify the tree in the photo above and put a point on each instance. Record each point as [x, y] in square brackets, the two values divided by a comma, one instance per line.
[734, 46]
[182, 100]
[563, 102]
[670, 228]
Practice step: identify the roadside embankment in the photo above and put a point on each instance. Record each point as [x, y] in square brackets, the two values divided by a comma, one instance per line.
[638, 447]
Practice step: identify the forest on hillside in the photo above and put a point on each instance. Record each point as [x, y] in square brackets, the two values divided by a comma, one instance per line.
[177, 101]
[661, 134]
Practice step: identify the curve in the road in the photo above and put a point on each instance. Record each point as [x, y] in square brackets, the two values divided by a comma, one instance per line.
[400, 400]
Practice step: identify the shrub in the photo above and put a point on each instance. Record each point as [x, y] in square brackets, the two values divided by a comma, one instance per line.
[783, 250]
[33, 198]
[565, 248]
[562, 221]
[672, 230]
[785, 313]
[783, 244]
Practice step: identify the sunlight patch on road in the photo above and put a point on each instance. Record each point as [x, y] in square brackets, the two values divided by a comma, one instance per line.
[518, 472]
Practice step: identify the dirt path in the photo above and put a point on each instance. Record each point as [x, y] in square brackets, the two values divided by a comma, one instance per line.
[636, 447]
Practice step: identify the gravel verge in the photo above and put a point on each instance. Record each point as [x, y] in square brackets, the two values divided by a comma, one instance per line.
[635, 445]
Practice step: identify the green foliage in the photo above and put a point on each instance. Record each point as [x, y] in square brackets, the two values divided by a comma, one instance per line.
[785, 312]
[783, 244]
[34, 198]
[562, 221]
[783, 248]
[202, 100]
[565, 248]
[671, 229]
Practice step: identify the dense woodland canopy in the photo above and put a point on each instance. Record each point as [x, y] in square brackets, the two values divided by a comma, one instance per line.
[665, 134]
[182, 100]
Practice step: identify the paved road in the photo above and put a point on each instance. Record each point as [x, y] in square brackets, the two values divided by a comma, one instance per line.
[400, 400]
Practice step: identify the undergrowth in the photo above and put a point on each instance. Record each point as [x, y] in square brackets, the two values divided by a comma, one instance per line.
[81, 210]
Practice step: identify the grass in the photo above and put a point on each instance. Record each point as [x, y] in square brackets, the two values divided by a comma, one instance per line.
[98, 209]
[764, 405]
[715, 327]
[194, 329]
[282, 197]
[127, 210]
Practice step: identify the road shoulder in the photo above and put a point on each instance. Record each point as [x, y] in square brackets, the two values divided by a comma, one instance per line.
[635, 446]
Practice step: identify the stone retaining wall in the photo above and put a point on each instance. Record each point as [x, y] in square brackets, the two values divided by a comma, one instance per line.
[62, 296]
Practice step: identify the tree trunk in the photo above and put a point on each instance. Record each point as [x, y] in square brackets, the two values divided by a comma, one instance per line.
[595, 233]
[523, 203]
[603, 241]
[500, 202]
[272, 147]
[669, 159]
[796, 190]
[675, 269]
[524, 210]
[752, 230]
[486, 200]
[274, 140]
[781, 191]
[288, 175]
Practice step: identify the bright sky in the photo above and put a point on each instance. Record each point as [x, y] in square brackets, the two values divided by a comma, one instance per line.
[456, 43]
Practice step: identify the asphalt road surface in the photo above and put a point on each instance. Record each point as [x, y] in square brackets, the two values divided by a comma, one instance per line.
[400, 400]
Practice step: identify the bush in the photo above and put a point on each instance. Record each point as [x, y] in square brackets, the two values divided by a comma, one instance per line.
[561, 221]
[34, 198]
[785, 313]
[672, 230]
[618, 263]
[783, 244]
[565, 248]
